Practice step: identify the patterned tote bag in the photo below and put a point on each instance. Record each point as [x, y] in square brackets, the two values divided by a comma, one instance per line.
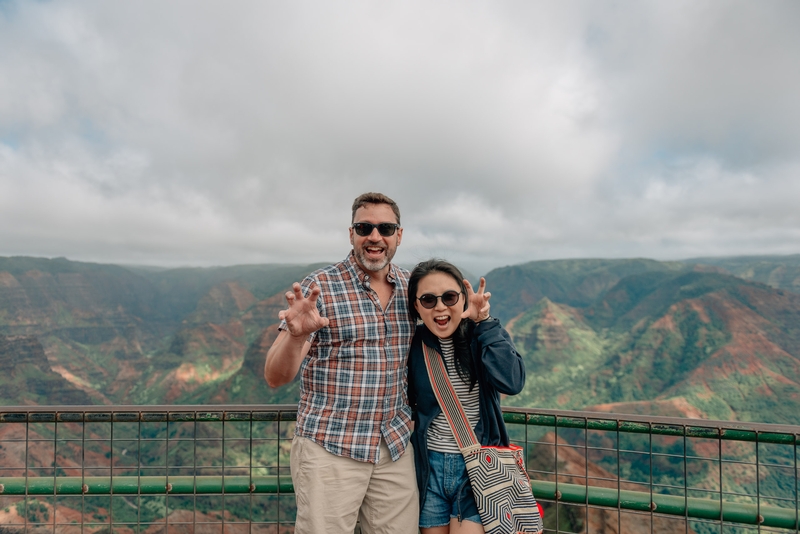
[499, 481]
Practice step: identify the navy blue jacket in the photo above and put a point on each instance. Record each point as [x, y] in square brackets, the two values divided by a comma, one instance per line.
[500, 370]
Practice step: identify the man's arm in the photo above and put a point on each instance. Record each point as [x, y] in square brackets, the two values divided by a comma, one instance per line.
[287, 352]
[284, 358]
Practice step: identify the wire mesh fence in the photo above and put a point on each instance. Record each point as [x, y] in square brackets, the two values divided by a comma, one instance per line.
[599, 472]
[147, 469]
[225, 469]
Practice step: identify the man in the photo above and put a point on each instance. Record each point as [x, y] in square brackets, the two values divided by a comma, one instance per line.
[348, 330]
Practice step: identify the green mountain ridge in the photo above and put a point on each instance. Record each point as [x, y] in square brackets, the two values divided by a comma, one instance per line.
[718, 346]
[574, 282]
[687, 338]
[780, 272]
[139, 336]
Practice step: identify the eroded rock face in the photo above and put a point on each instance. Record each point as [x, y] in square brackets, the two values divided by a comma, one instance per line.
[591, 332]
[21, 350]
[27, 377]
[551, 333]
[545, 327]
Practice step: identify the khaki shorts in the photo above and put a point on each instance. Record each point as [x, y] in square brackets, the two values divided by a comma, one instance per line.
[333, 492]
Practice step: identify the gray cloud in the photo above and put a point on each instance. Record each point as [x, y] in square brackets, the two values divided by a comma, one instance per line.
[206, 133]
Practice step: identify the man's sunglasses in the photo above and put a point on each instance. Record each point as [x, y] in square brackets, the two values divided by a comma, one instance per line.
[449, 298]
[385, 229]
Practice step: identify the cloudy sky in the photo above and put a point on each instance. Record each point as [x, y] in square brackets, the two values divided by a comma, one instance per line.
[216, 133]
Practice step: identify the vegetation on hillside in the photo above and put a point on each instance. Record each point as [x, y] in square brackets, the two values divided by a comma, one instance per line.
[132, 335]
[636, 335]
[716, 345]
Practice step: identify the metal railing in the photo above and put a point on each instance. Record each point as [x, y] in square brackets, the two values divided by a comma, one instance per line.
[194, 468]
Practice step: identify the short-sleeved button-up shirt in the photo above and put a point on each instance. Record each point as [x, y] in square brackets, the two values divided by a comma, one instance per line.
[353, 382]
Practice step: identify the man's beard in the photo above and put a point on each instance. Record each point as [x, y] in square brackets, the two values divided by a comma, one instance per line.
[373, 265]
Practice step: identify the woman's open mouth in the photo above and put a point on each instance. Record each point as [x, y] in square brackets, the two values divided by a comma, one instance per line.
[441, 320]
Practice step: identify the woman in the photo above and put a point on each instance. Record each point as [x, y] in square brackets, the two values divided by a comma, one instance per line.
[482, 363]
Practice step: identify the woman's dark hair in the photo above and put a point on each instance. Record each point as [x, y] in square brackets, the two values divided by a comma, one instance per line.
[462, 352]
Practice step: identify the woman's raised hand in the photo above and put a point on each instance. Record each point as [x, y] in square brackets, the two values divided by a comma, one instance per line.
[478, 309]
[302, 318]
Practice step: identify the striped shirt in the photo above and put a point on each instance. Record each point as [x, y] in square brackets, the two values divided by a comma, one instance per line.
[353, 382]
[440, 435]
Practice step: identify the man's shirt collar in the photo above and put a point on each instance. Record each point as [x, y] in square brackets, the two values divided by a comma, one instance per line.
[363, 277]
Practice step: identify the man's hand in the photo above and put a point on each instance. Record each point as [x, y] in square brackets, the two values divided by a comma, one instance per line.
[291, 346]
[302, 318]
[478, 309]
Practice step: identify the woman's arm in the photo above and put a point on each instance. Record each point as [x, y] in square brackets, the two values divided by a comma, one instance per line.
[502, 365]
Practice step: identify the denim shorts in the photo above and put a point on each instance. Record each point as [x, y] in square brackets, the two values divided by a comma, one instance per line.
[449, 492]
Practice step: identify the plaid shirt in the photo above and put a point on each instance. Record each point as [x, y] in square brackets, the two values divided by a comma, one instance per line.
[353, 386]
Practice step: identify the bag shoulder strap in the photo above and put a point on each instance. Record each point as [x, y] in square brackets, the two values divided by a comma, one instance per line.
[448, 401]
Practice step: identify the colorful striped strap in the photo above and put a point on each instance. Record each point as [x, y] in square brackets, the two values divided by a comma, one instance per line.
[448, 401]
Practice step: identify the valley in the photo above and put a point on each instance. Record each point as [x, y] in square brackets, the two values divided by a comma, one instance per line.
[710, 338]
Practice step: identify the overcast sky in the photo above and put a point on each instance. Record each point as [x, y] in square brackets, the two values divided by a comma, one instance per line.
[216, 133]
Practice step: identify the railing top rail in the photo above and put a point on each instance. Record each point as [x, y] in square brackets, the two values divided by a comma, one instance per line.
[660, 420]
[63, 412]
[149, 408]
[148, 413]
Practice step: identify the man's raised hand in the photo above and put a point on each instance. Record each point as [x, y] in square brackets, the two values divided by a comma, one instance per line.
[478, 309]
[302, 318]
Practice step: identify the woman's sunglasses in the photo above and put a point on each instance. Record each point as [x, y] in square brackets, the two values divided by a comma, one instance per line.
[385, 229]
[449, 298]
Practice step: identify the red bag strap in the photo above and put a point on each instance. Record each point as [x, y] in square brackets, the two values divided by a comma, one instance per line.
[448, 401]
